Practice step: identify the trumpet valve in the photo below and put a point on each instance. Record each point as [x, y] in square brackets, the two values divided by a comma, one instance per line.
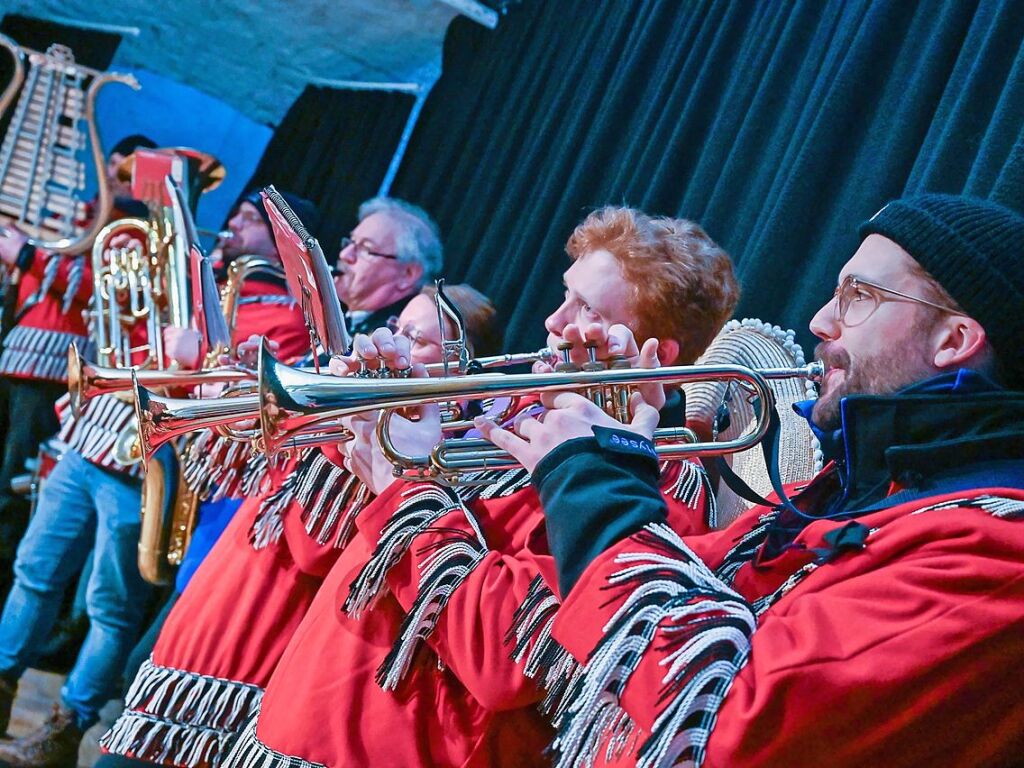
[620, 392]
[566, 365]
[592, 365]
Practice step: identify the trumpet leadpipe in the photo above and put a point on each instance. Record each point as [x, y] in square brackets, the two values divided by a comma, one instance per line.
[86, 380]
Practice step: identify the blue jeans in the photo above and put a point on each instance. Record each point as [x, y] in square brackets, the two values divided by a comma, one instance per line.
[81, 508]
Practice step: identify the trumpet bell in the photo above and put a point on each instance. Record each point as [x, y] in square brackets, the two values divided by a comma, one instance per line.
[162, 419]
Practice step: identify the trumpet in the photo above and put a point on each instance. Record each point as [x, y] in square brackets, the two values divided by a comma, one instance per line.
[86, 380]
[162, 419]
[293, 402]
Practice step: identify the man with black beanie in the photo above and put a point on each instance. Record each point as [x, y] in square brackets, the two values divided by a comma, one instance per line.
[874, 618]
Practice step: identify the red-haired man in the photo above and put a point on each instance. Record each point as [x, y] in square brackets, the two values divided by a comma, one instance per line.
[406, 654]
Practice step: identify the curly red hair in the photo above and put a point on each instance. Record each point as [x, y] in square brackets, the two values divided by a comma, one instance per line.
[682, 283]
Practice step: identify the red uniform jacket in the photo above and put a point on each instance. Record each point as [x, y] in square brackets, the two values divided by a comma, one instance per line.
[405, 657]
[224, 636]
[52, 295]
[906, 652]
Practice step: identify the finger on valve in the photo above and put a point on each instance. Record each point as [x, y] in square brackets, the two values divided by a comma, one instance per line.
[653, 394]
[395, 349]
[621, 341]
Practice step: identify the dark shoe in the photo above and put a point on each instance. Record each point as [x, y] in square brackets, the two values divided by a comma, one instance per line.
[7, 693]
[54, 744]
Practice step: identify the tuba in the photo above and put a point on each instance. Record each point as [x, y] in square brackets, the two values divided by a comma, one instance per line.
[142, 280]
[42, 157]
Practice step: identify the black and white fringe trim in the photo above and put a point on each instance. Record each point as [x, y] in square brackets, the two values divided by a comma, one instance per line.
[250, 752]
[422, 507]
[95, 433]
[256, 477]
[216, 467]
[450, 561]
[75, 273]
[745, 548]
[330, 497]
[669, 594]
[493, 484]
[543, 658]
[1002, 507]
[39, 353]
[693, 488]
[180, 717]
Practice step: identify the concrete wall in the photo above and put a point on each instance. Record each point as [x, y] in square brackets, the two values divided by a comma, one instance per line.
[257, 55]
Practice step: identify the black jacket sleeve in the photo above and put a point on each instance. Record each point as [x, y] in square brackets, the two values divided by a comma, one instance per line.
[596, 491]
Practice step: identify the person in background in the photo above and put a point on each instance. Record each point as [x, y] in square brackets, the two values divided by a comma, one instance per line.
[392, 252]
[225, 634]
[43, 315]
[91, 503]
[405, 656]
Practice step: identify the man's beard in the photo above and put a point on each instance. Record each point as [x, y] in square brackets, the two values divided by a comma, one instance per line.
[888, 371]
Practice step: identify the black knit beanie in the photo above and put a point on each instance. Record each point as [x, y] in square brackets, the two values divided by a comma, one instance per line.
[129, 144]
[975, 250]
[305, 209]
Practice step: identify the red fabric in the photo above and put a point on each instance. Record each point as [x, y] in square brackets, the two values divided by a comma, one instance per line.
[906, 653]
[48, 313]
[464, 702]
[281, 322]
[313, 558]
[240, 608]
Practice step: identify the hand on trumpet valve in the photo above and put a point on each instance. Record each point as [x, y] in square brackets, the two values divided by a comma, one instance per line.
[363, 454]
[569, 416]
[614, 346]
[382, 354]
[247, 352]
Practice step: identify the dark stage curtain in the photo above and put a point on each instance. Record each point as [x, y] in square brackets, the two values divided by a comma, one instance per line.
[334, 147]
[780, 126]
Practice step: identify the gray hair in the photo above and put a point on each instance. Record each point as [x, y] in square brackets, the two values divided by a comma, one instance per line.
[418, 238]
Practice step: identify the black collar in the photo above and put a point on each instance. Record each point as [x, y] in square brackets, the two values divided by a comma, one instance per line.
[912, 437]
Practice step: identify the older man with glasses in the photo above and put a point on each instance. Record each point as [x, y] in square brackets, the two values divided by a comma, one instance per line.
[394, 250]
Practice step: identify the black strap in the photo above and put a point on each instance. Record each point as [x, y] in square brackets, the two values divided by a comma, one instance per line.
[770, 451]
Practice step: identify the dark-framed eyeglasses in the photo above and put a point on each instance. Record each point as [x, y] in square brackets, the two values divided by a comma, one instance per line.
[857, 299]
[364, 249]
